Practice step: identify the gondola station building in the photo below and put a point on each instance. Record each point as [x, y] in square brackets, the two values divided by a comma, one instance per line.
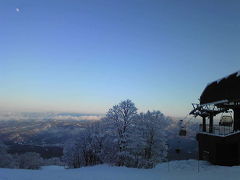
[219, 142]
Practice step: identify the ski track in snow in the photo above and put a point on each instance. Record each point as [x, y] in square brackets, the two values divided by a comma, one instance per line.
[178, 170]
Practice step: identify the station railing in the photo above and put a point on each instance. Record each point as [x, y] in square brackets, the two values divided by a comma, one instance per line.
[217, 129]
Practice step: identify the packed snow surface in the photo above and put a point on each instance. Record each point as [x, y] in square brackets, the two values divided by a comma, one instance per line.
[174, 170]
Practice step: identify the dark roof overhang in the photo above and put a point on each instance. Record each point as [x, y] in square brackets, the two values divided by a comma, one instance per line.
[224, 90]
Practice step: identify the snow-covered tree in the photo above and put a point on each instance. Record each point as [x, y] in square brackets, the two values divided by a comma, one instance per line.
[122, 138]
[52, 161]
[29, 160]
[87, 149]
[71, 155]
[6, 160]
[148, 142]
[120, 118]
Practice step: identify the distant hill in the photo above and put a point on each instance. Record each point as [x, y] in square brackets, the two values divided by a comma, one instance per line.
[45, 132]
[48, 135]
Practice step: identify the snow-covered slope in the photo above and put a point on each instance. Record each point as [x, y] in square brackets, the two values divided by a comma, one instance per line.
[178, 170]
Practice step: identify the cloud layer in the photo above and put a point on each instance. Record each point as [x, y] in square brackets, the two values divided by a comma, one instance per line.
[18, 116]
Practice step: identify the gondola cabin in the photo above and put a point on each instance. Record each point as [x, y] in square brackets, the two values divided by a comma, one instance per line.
[219, 143]
[182, 132]
[226, 121]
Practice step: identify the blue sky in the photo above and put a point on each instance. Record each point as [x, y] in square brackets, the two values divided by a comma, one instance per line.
[87, 55]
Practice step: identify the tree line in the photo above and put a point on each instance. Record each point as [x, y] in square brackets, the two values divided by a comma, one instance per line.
[123, 138]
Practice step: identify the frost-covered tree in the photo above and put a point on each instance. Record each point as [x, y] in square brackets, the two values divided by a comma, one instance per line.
[52, 161]
[122, 138]
[120, 118]
[87, 149]
[71, 155]
[29, 160]
[6, 160]
[148, 142]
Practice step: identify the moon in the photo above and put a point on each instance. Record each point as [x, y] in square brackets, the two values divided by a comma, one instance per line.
[17, 9]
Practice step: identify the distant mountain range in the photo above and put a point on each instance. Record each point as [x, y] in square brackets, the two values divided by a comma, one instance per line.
[45, 132]
[36, 116]
[42, 132]
[46, 137]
